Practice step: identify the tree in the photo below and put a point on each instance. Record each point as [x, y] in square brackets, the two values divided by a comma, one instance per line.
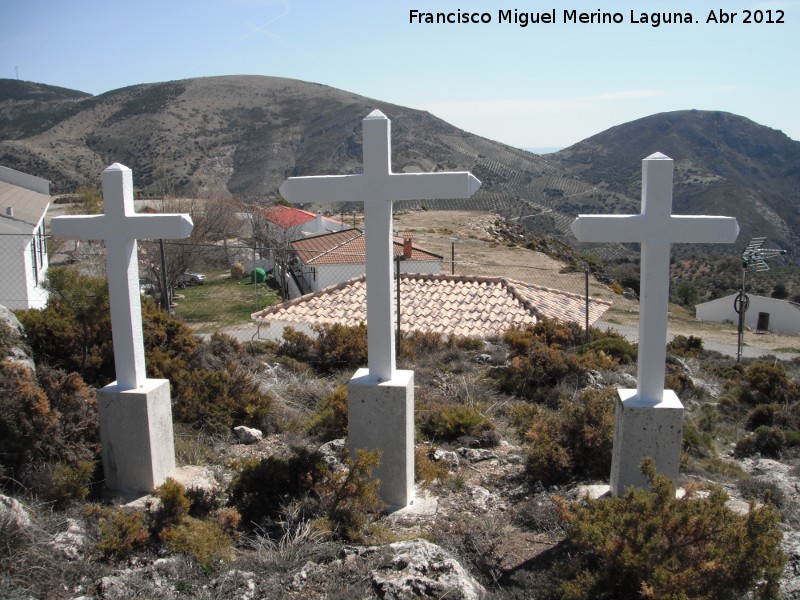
[89, 202]
[779, 291]
[215, 220]
[687, 293]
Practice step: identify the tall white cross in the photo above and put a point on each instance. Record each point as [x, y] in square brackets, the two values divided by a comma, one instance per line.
[120, 227]
[655, 228]
[378, 188]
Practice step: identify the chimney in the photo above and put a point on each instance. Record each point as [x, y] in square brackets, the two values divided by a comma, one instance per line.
[320, 227]
[407, 246]
[9, 211]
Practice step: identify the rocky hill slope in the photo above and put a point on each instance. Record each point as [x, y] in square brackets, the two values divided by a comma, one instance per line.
[242, 135]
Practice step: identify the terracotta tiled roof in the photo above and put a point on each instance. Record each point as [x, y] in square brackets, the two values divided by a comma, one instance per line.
[286, 216]
[348, 246]
[449, 304]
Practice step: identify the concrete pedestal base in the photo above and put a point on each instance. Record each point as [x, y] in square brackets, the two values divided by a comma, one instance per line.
[136, 436]
[381, 416]
[645, 429]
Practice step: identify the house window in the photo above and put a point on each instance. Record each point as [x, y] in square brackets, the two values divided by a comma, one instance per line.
[42, 246]
[34, 261]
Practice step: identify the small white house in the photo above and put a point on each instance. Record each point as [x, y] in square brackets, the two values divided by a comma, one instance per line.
[24, 200]
[780, 316]
[331, 258]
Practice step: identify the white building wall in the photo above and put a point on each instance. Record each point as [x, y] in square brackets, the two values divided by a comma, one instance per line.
[784, 316]
[22, 287]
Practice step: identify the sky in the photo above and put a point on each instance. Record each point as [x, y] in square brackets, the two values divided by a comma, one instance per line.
[545, 85]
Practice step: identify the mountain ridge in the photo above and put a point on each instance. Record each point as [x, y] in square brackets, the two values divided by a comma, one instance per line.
[242, 135]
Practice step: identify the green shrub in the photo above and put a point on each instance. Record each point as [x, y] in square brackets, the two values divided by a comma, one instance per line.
[688, 347]
[334, 348]
[348, 497]
[339, 500]
[763, 414]
[238, 271]
[329, 420]
[70, 484]
[768, 383]
[576, 440]
[697, 443]
[617, 347]
[340, 347]
[450, 422]
[766, 441]
[121, 531]
[205, 541]
[174, 504]
[648, 544]
[263, 487]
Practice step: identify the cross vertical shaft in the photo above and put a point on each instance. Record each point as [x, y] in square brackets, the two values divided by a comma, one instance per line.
[655, 228]
[120, 227]
[378, 188]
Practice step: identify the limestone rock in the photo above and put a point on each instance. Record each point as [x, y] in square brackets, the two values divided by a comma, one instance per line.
[236, 584]
[19, 353]
[13, 515]
[332, 453]
[446, 456]
[248, 435]
[418, 568]
[69, 543]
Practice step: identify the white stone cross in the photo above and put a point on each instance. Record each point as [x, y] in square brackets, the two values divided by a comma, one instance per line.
[377, 188]
[655, 228]
[121, 227]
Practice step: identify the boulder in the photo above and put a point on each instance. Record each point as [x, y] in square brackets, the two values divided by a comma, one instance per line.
[417, 568]
[13, 515]
[19, 353]
[248, 435]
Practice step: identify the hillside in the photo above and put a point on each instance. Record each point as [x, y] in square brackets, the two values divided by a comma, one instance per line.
[242, 135]
[724, 164]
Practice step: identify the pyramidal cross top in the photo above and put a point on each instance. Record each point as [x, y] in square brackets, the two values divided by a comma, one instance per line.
[656, 229]
[378, 188]
[120, 227]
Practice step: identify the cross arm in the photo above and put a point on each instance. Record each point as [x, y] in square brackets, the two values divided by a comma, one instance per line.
[323, 188]
[690, 229]
[686, 229]
[97, 227]
[79, 227]
[391, 187]
[609, 228]
[433, 186]
[156, 227]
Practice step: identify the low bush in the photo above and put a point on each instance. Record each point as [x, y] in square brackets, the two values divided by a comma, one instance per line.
[574, 441]
[765, 440]
[121, 531]
[547, 354]
[263, 487]
[334, 348]
[768, 383]
[338, 501]
[329, 419]
[616, 347]
[238, 271]
[687, 347]
[650, 544]
[450, 422]
[426, 470]
[205, 541]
